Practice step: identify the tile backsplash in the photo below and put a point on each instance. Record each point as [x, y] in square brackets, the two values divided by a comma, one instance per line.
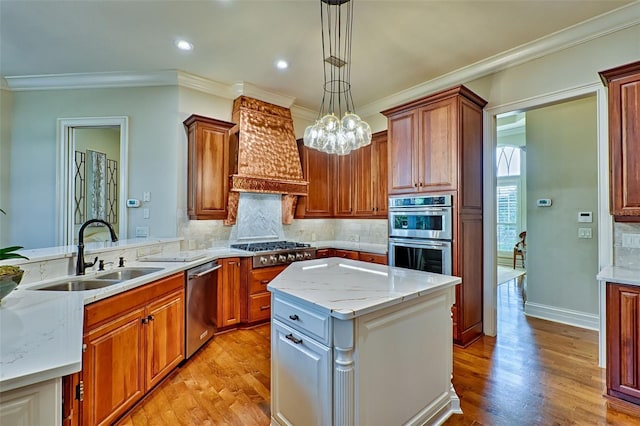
[624, 256]
[260, 218]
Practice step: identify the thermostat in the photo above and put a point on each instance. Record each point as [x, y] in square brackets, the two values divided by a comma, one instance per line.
[585, 217]
[543, 202]
[132, 202]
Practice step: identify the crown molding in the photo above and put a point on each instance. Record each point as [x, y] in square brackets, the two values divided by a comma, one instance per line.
[247, 89]
[205, 85]
[99, 80]
[599, 26]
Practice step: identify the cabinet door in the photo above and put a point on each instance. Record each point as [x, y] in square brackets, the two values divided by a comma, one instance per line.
[317, 168]
[208, 167]
[379, 165]
[342, 187]
[403, 153]
[165, 336]
[438, 146]
[364, 186]
[112, 368]
[229, 292]
[623, 342]
[301, 372]
[624, 142]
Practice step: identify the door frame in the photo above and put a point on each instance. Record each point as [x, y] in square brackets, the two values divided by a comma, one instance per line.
[605, 220]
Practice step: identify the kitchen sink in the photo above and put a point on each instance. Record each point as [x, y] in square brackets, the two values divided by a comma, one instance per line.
[79, 285]
[123, 274]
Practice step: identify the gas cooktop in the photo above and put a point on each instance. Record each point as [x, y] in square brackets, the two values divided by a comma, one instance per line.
[270, 246]
[277, 252]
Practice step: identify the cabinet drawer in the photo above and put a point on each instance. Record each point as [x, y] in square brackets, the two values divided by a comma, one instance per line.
[314, 324]
[373, 258]
[347, 254]
[259, 278]
[259, 307]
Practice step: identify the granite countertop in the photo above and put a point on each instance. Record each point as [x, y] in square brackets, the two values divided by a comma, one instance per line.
[620, 275]
[346, 288]
[41, 331]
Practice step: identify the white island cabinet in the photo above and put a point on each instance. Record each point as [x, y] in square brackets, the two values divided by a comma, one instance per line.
[355, 343]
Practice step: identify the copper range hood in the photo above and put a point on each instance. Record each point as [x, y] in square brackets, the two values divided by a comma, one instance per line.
[264, 156]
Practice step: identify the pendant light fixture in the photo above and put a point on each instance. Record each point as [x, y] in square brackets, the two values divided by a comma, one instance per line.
[338, 129]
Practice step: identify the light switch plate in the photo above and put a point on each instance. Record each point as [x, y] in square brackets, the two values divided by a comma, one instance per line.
[585, 233]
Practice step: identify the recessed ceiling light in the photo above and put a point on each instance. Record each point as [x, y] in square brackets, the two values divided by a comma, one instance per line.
[184, 45]
[282, 64]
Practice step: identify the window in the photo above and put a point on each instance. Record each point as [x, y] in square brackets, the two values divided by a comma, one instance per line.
[508, 196]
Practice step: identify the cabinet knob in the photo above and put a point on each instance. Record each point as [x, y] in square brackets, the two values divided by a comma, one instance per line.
[294, 317]
[415, 184]
[293, 339]
[421, 184]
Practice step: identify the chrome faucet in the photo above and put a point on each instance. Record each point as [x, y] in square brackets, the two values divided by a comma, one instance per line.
[81, 265]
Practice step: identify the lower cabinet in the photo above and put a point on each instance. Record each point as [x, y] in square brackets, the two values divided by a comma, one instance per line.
[352, 254]
[131, 342]
[37, 404]
[259, 305]
[623, 342]
[228, 309]
[301, 371]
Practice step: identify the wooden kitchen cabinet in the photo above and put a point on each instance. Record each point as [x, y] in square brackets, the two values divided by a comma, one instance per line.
[435, 147]
[259, 308]
[370, 178]
[425, 139]
[132, 341]
[346, 185]
[623, 342]
[352, 254]
[624, 141]
[208, 167]
[317, 169]
[228, 309]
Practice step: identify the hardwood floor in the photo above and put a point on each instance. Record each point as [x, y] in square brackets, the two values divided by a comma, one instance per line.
[535, 372]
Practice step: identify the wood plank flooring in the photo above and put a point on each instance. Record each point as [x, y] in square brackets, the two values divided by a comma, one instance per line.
[534, 373]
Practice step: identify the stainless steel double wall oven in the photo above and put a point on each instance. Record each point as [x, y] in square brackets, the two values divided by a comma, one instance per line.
[421, 232]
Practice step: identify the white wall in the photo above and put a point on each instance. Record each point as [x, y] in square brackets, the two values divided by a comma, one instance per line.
[562, 165]
[153, 149]
[5, 162]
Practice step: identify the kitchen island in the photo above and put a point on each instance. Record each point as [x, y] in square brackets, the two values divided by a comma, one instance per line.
[359, 343]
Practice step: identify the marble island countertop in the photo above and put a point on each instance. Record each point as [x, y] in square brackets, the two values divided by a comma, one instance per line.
[620, 275]
[349, 288]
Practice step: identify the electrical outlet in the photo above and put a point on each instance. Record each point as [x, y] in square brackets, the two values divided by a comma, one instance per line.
[146, 196]
[145, 213]
[631, 240]
[142, 231]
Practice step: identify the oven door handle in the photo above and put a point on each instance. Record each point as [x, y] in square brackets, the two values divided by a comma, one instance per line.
[424, 244]
[203, 273]
[420, 209]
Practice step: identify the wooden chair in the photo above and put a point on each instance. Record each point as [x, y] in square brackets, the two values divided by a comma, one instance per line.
[520, 248]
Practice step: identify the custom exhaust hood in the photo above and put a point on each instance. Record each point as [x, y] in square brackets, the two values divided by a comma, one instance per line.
[264, 156]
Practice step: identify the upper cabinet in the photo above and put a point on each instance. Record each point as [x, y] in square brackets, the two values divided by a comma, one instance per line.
[346, 185]
[208, 167]
[426, 138]
[624, 140]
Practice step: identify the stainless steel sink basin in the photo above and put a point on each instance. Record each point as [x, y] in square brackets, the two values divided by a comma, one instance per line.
[123, 274]
[79, 285]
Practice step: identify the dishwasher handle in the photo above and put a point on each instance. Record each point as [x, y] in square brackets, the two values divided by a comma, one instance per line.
[203, 273]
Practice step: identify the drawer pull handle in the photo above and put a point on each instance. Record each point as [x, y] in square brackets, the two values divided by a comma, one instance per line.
[265, 307]
[294, 317]
[293, 339]
[264, 282]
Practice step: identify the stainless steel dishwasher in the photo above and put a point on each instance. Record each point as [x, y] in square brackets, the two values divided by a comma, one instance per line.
[201, 301]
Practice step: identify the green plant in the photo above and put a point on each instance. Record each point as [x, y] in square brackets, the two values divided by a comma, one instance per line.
[10, 253]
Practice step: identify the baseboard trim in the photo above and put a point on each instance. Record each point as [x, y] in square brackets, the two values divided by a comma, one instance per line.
[561, 315]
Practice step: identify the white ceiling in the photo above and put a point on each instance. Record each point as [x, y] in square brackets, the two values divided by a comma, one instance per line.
[397, 44]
